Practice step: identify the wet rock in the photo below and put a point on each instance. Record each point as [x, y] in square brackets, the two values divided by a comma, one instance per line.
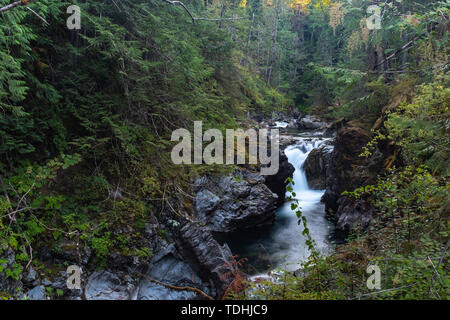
[353, 212]
[210, 258]
[345, 172]
[279, 116]
[330, 130]
[236, 201]
[277, 182]
[46, 282]
[37, 293]
[316, 165]
[172, 271]
[285, 141]
[292, 124]
[310, 123]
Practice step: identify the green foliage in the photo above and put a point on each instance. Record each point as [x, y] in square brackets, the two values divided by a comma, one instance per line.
[84, 113]
[421, 128]
[102, 247]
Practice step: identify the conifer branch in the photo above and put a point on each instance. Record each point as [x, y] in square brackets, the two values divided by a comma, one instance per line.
[184, 7]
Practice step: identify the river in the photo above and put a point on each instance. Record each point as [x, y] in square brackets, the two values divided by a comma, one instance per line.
[281, 245]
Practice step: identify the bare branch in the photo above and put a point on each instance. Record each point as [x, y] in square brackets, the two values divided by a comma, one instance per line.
[396, 52]
[185, 288]
[223, 19]
[37, 15]
[183, 5]
[13, 5]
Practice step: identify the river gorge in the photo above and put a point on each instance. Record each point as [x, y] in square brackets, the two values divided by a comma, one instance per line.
[281, 245]
[236, 214]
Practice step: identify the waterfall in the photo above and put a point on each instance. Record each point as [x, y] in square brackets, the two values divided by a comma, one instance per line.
[282, 245]
[297, 155]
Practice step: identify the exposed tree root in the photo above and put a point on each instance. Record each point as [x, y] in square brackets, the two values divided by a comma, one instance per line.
[184, 288]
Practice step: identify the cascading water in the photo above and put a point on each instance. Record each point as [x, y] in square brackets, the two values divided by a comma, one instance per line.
[282, 245]
[294, 250]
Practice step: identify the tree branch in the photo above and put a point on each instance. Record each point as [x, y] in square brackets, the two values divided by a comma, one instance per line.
[220, 19]
[405, 46]
[37, 15]
[13, 5]
[184, 7]
[185, 288]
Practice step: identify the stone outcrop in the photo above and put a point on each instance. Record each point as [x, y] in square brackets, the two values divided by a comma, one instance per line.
[37, 293]
[277, 182]
[171, 267]
[190, 257]
[346, 171]
[235, 201]
[353, 212]
[195, 260]
[107, 285]
[310, 123]
[210, 259]
[316, 165]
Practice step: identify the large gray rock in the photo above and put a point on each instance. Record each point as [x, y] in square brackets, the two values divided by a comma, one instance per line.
[206, 201]
[212, 259]
[277, 182]
[310, 123]
[343, 171]
[105, 285]
[236, 201]
[316, 165]
[353, 212]
[172, 271]
[37, 293]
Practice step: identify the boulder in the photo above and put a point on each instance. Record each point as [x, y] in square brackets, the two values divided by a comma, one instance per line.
[106, 285]
[292, 124]
[235, 201]
[316, 165]
[310, 123]
[277, 182]
[37, 293]
[353, 212]
[211, 259]
[169, 270]
[330, 131]
[345, 172]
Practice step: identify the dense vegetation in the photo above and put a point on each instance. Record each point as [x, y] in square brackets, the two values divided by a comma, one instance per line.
[402, 97]
[86, 117]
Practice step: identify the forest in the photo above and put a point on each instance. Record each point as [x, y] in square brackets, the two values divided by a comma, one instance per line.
[92, 90]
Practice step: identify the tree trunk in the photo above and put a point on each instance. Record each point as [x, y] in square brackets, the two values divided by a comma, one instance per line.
[248, 40]
[222, 11]
[405, 38]
[274, 44]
